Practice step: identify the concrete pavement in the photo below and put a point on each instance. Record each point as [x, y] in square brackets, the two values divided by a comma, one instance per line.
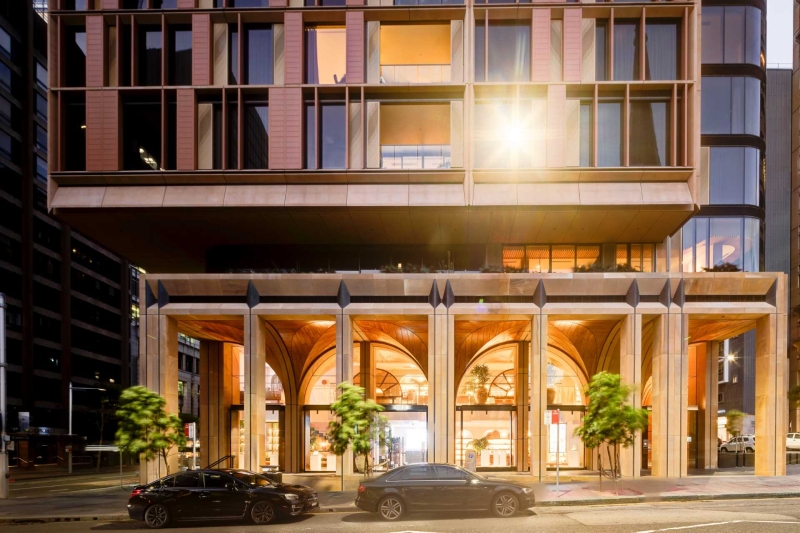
[769, 516]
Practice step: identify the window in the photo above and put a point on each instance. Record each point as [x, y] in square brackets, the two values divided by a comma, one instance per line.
[5, 77]
[41, 136]
[180, 63]
[325, 55]
[330, 145]
[258, 52]
[662, 49]
[233, 51]
[731, 105]
[5, 145]
[216, 481]
[6, 45]
[509, 51]
[601, 49]
[187, 480]
[41, 75]
[638, 256]
[734, 175]
[41, 106]
[75, 75]
[150, 44]
[649, 129]
[256, 135]
[609, 134]
[448, 473]
[5, 111]
[41, 170]
[417, 473]
[141, 136]
[626, 50]
[731, 34]
[546, 258]
[75, 132]
[714, 241]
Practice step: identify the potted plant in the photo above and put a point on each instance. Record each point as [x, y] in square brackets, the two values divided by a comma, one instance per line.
[480, 445]
[480, 377]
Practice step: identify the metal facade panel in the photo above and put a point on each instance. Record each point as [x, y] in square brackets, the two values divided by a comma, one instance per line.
[573, 46]
[201, 49]
[186, 130]
[355, 46]
[293, 48]
[540, 56]
[95, 51]
[111, 132]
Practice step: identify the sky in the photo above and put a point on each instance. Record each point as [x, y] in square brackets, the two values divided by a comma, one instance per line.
[779, 33]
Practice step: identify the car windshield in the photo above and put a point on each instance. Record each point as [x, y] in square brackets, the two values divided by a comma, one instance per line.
[254, 480]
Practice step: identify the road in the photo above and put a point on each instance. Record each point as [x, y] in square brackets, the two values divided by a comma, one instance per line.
[83, 483]
[736, 516]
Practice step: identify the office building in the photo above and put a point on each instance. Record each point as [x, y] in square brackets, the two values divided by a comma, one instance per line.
[397, 193]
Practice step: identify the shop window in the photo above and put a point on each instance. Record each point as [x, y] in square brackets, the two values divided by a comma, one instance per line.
[731, 105]
[732, 34]
[662, 49]
[150, 44]
[75, 56]
[258, 49]
[626, 50]
[550, 258]
[650, 131]
[318, 454]
[325, 55]
[180, 49]
[734, 175]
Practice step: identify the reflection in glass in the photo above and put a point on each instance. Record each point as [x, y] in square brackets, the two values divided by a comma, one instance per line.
[650, 129]
[661, 49]
[731, 105]
[256, 138]
[332, 135]
[141, 136]
[75, 44]
[480, 51]
[726, 241]
[180, 47]
[258, 49]
[609, 134]
[601, 49]
[509, 51]
[722, 240]
[399, 157]
[626, 50]
[497, 427]
[734, 175]
[325, 55]
[150, 44]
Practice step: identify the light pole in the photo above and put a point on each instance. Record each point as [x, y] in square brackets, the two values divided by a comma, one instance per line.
[71, 388]
[3, 412]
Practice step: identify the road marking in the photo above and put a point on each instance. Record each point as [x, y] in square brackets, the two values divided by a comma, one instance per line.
[718, 524]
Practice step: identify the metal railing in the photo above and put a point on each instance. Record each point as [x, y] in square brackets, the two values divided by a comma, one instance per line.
[415, 157]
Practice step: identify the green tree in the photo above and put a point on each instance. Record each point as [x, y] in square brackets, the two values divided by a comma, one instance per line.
[609, 419]
[145, 427]
[794, 397]
[733, 422]
[356, 423]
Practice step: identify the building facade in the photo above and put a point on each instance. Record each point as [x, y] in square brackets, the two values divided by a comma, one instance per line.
[795, 235]
[67, 297]
[467, 208]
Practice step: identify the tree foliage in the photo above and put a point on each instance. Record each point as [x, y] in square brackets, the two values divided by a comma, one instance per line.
[609, 419]
[794, 396]
[733, 422]
[357, 423]
[145, 427]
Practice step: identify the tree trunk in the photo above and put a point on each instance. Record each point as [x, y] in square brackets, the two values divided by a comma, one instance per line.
[600, 467]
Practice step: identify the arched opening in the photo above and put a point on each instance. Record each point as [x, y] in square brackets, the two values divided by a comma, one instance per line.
[275, 420]
[318, 393]
[565, 386]
[401, 388]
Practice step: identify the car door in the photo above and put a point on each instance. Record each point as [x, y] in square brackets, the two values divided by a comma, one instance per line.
[222, 496]
[185, 491]
[417, 487]
[458, 489]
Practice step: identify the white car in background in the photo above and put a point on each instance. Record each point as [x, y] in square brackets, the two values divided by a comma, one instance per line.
[793, 441]
[745, 443]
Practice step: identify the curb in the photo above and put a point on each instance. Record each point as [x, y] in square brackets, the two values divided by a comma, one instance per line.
[547, 503]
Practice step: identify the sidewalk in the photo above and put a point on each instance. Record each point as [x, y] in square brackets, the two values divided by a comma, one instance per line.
[109, 505]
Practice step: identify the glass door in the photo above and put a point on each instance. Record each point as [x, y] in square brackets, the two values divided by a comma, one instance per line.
[489, 430]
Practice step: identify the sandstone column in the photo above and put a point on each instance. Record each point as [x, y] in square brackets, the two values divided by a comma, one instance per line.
[630, 370]
[771, 401]
[366, 368]
[216, 398]
[707, 403]
[158, 371]
[344, 372]
[670, 394]
[255, 347]
[538, 393]
[521, 396]
[441, 388]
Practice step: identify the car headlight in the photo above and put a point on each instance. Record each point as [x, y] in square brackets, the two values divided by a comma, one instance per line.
[527, 490]
[291, 497]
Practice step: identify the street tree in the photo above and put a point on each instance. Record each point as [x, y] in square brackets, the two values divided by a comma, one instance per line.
[356, 423]
[610, 420]
[145, 427]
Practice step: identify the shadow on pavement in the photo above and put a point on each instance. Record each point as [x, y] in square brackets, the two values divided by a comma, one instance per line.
[132, 525]
[373, 518]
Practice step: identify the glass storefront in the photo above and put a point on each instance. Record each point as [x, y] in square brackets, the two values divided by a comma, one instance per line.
[490, 431]
[273, 436]
[563, 446]
[318, 455]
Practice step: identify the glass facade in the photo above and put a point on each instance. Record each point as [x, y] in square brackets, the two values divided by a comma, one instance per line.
[732, 34]
[662, 49]
[735, 175]
[731, 105]
[650, 133]
[626, 49]
[710, 242]
[509, 57]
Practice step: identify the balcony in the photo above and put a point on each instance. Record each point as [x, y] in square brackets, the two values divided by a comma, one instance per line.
[415, 157]
[415, 53]
[415, 73]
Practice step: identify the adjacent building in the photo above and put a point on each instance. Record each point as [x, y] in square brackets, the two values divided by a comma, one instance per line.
[467, 208]
[68, 298]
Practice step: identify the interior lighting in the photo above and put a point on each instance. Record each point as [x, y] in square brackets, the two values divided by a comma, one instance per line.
[83, 126]
[731, 357]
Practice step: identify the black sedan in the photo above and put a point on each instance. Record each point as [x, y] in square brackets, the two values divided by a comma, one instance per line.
[438, 487]
[204, 495]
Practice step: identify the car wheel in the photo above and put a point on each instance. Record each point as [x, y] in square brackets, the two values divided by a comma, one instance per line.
[505, 505]
[391, 508]
[156, 516]
[262, 512]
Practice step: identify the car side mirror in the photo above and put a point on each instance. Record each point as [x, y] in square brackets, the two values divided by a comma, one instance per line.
[231, 486]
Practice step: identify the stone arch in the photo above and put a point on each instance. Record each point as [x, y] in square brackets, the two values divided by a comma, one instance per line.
[485, 337]
[323, 362]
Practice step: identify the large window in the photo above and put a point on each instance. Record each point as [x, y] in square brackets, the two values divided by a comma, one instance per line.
[731, 105]
[601, 49]
[662, 38]
[649, 133]
[328, 147]
[579, 133]
[75, 132]
[7, 44]
[550, 258]
[734, 175]
[326, 55]
[150, 44]
[180, 48]
[626, 49]
[141, 141]
[75, 44]
[709, 242]
[511, 134]
[609, 133]
[638, 256]
[258, 50]
[256, 135]
[732, 34]
[509, 51]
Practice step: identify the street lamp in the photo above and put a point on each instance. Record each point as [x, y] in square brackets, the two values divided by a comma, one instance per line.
[71, 388]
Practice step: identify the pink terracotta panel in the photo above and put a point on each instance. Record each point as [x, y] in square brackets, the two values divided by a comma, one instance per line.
[111, 133]
[277, 3]
[293, 104]
[186, 4]
[573, 46]
[95, 50]
[277, 128]
[556, 124]
[110, 4]
[94, 131]
[201, 49]
[355, 46]
[293, 48]
[540, 57]
[186, 142]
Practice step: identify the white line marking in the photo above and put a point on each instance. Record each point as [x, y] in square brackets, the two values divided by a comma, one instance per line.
[718, 524]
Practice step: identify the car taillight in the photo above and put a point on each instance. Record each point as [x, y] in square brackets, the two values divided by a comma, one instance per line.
[362, 488]
[136, 492]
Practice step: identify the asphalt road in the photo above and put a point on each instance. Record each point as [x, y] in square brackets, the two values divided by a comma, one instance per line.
[84, 483]
[736, 516]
